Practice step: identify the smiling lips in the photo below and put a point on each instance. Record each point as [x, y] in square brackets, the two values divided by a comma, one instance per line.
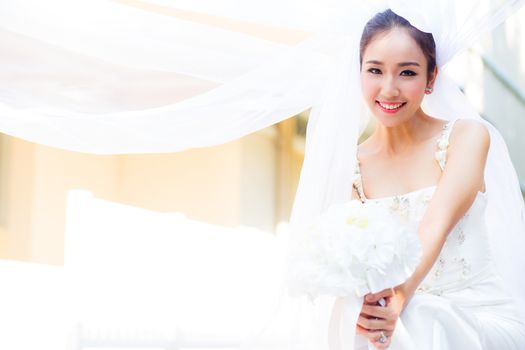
[390, 107]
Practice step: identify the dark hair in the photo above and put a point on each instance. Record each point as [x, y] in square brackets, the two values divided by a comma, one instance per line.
[387, 20]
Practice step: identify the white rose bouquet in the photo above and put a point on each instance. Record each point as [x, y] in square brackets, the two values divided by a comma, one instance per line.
[352, 249]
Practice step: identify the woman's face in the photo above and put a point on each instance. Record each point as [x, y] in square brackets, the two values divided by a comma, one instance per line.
[393, 76]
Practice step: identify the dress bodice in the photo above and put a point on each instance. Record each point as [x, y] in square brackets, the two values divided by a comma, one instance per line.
[465, 256]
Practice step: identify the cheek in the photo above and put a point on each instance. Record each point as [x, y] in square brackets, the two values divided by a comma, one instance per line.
[414, 91]
[369, 87]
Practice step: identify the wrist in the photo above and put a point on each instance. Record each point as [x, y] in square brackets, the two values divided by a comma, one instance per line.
[403, 293]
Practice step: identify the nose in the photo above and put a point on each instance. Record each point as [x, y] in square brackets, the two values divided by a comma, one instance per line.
[389, 88]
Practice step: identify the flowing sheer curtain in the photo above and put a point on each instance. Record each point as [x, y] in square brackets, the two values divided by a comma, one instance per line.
[135, 76]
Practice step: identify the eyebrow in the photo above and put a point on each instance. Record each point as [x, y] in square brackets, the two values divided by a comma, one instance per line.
[402, 64]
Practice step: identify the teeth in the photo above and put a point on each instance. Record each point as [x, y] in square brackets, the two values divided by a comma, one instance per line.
[390, 106]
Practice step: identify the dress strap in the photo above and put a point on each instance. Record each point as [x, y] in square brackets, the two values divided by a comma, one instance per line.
[357, 183]
[443, 142]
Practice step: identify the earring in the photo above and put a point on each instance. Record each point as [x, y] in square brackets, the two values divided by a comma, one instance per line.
[428, 90]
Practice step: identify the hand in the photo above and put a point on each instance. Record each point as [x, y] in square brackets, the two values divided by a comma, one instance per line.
[375, 319]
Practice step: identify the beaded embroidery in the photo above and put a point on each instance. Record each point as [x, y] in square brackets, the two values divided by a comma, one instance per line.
[465, 266]
[357, 182]
[442, 144]
[439, 269]
[426, 198]
[423, 288]
[400, 206]
[461, 237]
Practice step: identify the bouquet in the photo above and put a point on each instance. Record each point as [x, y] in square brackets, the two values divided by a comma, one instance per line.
[350, 250]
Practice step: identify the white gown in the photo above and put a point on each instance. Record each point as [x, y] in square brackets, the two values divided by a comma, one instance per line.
[461, 304]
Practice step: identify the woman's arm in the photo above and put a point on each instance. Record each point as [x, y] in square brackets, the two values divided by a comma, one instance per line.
[462, 178]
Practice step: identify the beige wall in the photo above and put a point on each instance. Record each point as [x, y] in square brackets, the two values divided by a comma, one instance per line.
[203, 183]
[56, 172]
[236, 183]
[231, 184]
[34, 183]
[16, 191]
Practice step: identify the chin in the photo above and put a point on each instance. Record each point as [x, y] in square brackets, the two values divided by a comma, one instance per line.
[390, 120]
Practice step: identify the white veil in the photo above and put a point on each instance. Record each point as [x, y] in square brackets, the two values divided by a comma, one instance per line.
[143, 76]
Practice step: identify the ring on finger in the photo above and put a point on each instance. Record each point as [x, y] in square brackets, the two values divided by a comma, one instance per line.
[382, 338]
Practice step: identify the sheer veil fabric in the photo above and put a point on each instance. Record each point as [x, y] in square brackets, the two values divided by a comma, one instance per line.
[144, 76]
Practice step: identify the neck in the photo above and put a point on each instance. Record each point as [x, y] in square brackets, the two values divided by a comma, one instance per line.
[398, 139]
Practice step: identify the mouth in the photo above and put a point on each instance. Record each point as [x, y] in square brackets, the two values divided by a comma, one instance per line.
[390, 107]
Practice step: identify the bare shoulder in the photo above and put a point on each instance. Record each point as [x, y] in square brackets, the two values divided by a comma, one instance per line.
[468, 152]
[470, 135]
[472, 129]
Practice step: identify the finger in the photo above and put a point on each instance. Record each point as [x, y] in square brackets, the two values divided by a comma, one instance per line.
[372, 302]
[372, 324]
[374, 297]
[361, 330]
[376, 311]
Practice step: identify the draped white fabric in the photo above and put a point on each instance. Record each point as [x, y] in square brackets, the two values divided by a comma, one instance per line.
[142, 76]
[129, 76]
[137, 76]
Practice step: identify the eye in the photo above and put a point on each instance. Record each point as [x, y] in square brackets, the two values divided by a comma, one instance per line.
[408, 73]
[374, 71]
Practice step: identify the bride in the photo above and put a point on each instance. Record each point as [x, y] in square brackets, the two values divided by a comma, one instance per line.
[432, 171]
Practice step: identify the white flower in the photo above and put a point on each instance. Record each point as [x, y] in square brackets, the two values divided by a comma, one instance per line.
[352, 248]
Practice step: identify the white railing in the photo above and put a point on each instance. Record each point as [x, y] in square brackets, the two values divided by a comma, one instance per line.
[145, 279]
[138, 279]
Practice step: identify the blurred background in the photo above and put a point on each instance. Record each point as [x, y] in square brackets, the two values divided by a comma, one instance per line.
[245, 187]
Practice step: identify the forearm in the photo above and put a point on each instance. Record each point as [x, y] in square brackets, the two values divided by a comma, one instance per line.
[432, 242]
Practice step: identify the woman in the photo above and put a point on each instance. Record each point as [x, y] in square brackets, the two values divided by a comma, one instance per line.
[431, 171]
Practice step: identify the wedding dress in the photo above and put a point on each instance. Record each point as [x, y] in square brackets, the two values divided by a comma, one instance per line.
[461, 303]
